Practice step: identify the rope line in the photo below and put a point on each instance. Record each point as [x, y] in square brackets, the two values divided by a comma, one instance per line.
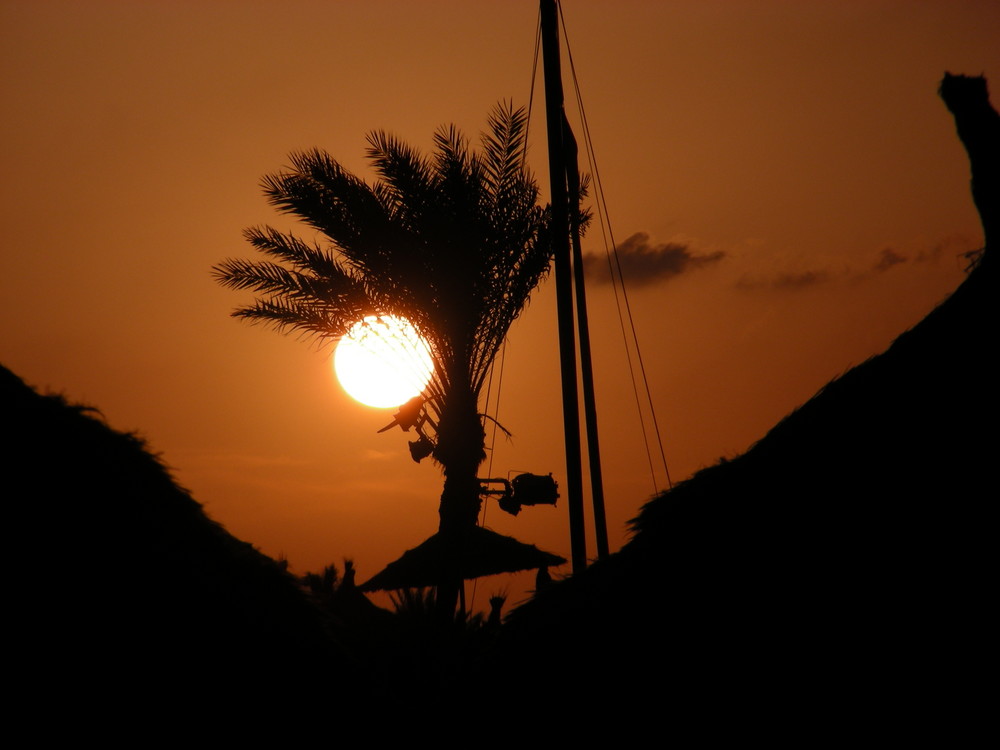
[619, 279]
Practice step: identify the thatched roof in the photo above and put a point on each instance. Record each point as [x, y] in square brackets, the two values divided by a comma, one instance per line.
[485, 553]
[845, 561]
[129, 578]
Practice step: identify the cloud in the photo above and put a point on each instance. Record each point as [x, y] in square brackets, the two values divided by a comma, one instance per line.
[793, 280]
[800, 280]
[786, 281]
[643, 263]
[887, 259]
[957, 246]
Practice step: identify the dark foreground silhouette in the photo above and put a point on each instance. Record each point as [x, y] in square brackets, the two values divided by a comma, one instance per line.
[841, 568]
[127, 592]
[836, 580]
[839, 574]
[129, 598]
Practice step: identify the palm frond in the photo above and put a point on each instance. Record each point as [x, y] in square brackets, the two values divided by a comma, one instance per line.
[310, 321]
[265, 277]
[407, 179]
[292, 250]
[503, 151]
[454, 242]
[322, 193]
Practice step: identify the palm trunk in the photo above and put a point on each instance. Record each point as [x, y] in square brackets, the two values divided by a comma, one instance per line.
[460, 450]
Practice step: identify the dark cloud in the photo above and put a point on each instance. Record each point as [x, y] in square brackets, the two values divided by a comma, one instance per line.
[948, 246]
[643, 263]
[800, 280]
[785, 281]
[952, 246]
[887, 259]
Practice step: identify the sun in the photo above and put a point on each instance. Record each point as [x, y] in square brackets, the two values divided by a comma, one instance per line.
[382, 361]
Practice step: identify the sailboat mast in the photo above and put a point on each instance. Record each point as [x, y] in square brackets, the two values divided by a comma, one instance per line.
[586, 361]
[564, 280]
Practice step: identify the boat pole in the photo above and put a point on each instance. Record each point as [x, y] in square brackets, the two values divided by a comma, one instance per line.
[564, 280]
[586, 360]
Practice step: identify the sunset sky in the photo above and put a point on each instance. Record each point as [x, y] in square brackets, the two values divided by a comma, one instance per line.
[783, 172]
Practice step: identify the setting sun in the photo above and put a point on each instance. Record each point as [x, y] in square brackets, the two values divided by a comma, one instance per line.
[382, 361]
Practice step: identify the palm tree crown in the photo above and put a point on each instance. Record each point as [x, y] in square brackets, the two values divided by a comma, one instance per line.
[454, 243]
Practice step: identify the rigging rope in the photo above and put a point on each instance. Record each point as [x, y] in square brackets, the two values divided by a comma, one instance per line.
[612, 251]
[503, 351]
[493, 440]
[621, 301]
[494, 416]
[531, 88]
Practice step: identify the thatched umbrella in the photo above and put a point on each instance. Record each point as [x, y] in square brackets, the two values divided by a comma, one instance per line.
[483, 553]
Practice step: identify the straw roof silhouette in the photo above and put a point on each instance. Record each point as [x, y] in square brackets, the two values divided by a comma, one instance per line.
[838, 571]
[484, 553]
[132, 582]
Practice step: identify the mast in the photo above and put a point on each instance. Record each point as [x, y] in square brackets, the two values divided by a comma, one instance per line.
[564, 281]
[564, 187]
[586, 361]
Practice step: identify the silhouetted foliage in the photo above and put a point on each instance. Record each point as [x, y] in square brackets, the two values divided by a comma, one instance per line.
[455, 243]
[324, 583]
[412, 602]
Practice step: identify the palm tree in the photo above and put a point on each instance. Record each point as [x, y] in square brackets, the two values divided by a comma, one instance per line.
[454, 243]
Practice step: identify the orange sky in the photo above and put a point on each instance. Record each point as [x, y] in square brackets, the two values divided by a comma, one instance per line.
[803, 141]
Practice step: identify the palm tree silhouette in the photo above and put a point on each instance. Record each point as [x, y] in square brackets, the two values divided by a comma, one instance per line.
[454, 243]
